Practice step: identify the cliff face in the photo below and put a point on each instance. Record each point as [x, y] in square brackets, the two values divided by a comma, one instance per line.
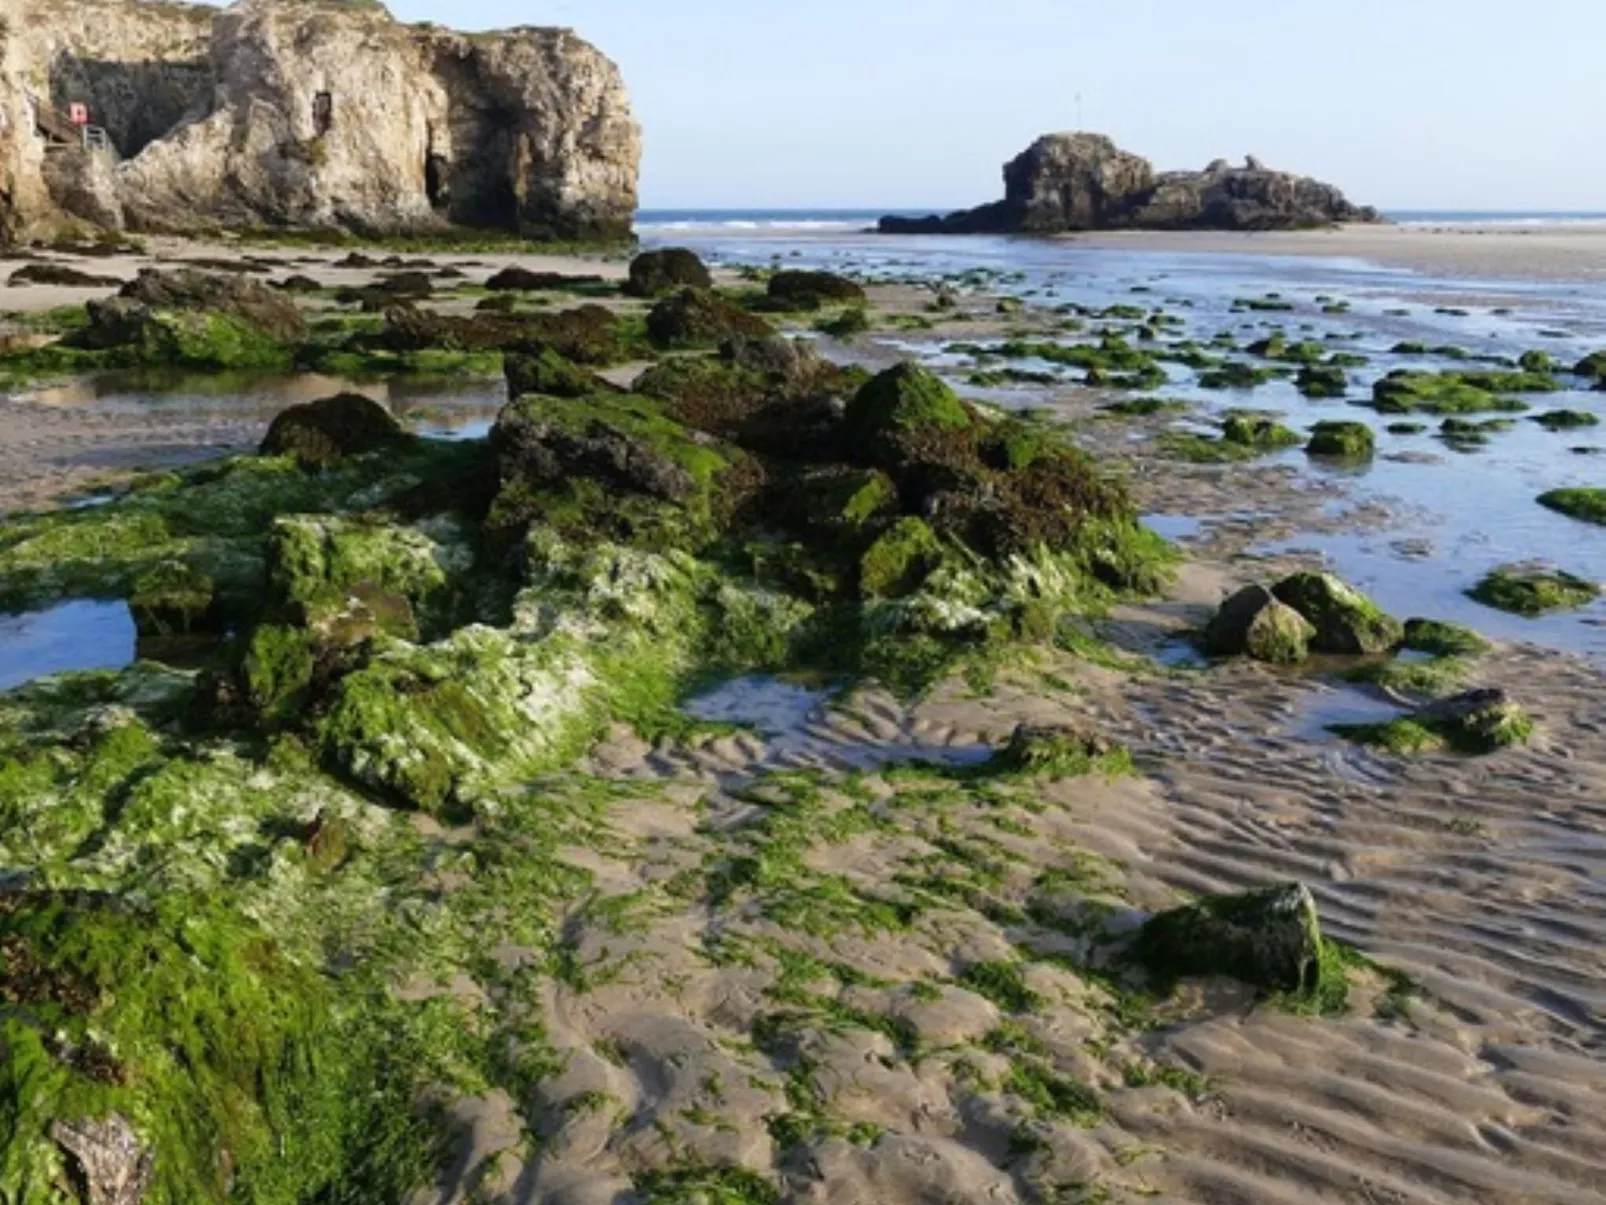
[319, 113]
[1069, 182]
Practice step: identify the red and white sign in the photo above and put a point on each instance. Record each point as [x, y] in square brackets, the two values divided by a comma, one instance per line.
[78, 114]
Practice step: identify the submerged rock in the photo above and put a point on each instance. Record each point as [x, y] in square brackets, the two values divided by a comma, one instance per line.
[1253, 623]
[1475, 722]
[654, 273]
[1342, 440]
[1534, 590]
[1270, 939]
[1079, 181]
[322, 433]
[1346, 621]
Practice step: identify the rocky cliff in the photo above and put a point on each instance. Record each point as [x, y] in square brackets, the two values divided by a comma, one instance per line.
[1068, 182]
[310, 113]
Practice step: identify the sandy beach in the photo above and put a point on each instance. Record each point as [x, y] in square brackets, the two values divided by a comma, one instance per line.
[1573, 251]
[1477, 1074]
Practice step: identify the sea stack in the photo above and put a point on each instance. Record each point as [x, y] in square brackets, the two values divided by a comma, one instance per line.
[1071, 182]
[305, 114]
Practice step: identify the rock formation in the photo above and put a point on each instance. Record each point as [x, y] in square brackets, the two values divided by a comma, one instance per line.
[307, 113]
[1067, 182]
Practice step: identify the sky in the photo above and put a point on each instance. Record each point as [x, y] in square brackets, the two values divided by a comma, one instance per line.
[1405, 104]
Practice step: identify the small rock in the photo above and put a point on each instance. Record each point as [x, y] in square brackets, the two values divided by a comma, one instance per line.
[1254, 623]
[1270, 939]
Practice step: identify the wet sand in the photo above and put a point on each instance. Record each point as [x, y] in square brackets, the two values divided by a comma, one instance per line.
[1483, 880]
[1574, 252]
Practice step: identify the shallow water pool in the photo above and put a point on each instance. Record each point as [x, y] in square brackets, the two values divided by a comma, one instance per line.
[79, 635]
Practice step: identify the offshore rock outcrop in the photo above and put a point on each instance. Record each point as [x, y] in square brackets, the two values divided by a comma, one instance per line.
[1070, 182]
[307, 114]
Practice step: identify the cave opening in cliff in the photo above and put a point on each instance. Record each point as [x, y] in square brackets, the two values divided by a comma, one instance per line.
[323, 113]
[135, 102]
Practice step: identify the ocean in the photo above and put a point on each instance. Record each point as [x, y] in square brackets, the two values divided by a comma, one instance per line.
[656, 222]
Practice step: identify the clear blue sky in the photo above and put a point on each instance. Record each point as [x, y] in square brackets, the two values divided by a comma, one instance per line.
[1468, 104]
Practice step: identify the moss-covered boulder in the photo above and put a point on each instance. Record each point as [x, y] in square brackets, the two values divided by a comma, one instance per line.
[251, 303]
[323, 433]
[1342, 440]
[906, 415]
[173, 600]
[1438, 638]
[1534, 590]
[1346, 621]
[701, 318]
[547, 371]
[1056, 751]
[1253, 623]
[1587, 504]
[794, 289]
[1260, 432]
[348, 578]
[900, 560]
[1593, 367]
[1322, 381]
[1565, 420]
[1475, 722]
[1270, 939]
[654, 273]
[587, 334]
[617, 465]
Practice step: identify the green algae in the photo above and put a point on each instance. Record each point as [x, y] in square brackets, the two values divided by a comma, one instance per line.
[1585, 504]
[1524, 591]
[1342, 440]
[1405, 392]
[1413, 734]
[1442, 639]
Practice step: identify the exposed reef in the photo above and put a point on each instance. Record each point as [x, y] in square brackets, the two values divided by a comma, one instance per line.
[1071, 182]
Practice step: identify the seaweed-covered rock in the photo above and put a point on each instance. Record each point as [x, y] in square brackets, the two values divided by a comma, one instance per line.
[1054, 750]
[700, 317]
[1534, 590]
[1438, 638]
[1478, 720]
[906, 414]
[253, 303]
[523, 280]
[1475, 721]
[1341, 439]
[1565, 420]
[1581, 502]
[654, 273]
[1592, 366]
[546, 371]
[1322, 381]
[172, 600]
[1258, 431]
[348, 578]
[587, 334]
[1346, 621]
[900, 560]
[321, 433]
[541, 446]
[1270, 939]
[1253, 623]
[61, 276]
[1405, 392]
[806, 290]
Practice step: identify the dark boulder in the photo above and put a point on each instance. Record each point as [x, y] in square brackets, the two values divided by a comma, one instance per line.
[60, 275]
[1253, 623]
[523, 280]
[699, 317]
[322, 433]
[588, 334]
[257, 305]
[800, 290]
[1270, 939]
[654, 273]
[536, 448]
